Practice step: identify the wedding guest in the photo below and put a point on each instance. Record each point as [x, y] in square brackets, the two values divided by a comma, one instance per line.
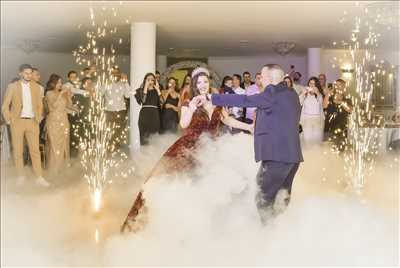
[59, 102]
[322, 81]
[158, 77]
[226, 86]
[338, 108]
[80, 119]
[328, 93]
[149, 97]
[296, 83]
[23, 110]
[115, 107]
[289, 82]
[73, 83]
[91, 72]
[170, 110]
[86, 72]
[312, 112]
[185, 91]
[255, 88]
[246, 80]
[238, 112]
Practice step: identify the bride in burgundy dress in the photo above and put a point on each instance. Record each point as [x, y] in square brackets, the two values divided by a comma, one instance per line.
[196, 118]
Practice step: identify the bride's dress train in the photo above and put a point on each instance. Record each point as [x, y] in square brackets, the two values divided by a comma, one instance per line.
[178, 158]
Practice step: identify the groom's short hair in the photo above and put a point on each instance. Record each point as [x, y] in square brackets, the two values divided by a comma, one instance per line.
[277, 73]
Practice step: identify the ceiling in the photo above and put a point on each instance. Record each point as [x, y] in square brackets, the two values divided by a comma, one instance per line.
[196, 28]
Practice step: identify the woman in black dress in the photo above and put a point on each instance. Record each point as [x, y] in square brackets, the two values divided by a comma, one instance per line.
[149, 97]
[170, 111]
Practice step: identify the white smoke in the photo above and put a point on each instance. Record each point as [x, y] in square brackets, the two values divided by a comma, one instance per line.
[207, 217]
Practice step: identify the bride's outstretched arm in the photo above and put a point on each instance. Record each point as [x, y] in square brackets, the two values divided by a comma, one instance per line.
[232, 122]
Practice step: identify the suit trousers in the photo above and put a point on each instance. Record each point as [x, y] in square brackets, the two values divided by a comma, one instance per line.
[272, 177]
[29, 129]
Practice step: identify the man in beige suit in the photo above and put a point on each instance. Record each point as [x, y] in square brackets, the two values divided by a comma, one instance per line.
[23, 109]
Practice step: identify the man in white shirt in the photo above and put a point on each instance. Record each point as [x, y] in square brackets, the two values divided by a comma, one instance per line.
[296, 84]
[23, 108]
[246, 80]
[115, 107]
[73, 84]
[236, 81]
[255, 88]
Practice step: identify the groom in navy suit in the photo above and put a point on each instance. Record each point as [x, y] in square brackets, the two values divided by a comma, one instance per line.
[276, 135]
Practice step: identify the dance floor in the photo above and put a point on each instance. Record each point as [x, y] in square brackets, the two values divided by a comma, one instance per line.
[207, 217]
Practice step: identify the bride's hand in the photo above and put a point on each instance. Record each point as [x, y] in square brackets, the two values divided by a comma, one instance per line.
[201, 100]
[193, 104]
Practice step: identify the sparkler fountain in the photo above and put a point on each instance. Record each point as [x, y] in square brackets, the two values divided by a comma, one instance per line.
[362, 144]
[99, 152]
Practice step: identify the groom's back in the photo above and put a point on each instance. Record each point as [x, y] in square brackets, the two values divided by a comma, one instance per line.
[277, 131]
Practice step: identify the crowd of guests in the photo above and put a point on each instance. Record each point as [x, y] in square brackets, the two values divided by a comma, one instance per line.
[57, 115]
[325, 109]
[50, 121]
[324, 115]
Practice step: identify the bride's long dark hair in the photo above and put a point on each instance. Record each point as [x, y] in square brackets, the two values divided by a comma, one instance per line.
[195, 90]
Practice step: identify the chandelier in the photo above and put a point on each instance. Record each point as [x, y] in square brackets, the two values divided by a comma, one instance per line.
[283, 48]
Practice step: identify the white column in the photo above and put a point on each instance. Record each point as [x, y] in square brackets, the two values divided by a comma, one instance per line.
[397, 77]
[143, 60]
[313, 61]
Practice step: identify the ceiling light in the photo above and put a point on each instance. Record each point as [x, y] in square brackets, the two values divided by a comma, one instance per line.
[283, 48]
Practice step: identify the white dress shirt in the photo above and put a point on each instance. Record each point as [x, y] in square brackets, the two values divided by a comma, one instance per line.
[27, 109]
[312, 106]
[238, 111]
[114, 96]
[252, 90]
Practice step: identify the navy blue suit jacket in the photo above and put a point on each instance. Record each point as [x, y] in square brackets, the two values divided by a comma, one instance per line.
[276, 135]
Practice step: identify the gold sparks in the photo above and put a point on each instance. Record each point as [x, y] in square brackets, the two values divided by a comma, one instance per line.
[360, 146]
[100, 152]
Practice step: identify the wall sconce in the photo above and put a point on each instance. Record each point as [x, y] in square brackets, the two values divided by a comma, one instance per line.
[347, 69]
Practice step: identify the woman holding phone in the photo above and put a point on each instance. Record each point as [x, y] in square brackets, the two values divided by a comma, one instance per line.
[312, 113]
[150, 98]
